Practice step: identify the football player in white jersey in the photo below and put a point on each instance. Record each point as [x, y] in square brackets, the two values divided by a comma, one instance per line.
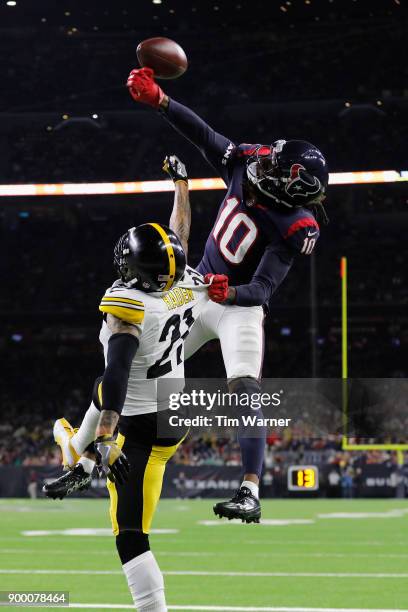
[148, 313]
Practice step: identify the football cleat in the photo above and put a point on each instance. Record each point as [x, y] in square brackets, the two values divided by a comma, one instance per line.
[75, 480]
[243, 505]
[63, 432]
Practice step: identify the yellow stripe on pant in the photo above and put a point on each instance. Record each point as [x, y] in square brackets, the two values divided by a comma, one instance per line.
[153, 481]
[152, 484]
[100, 394]
[113, 494]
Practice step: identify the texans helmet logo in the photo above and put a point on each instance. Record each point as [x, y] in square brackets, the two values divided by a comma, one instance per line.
[299, 183]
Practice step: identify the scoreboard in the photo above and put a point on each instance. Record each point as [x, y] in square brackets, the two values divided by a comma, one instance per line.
[303, 478]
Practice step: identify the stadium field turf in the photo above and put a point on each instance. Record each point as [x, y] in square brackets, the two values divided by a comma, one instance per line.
[308, 555]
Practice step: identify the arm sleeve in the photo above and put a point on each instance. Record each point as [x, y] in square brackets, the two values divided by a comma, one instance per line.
[121, 351]
[271, 271]
[216, 148]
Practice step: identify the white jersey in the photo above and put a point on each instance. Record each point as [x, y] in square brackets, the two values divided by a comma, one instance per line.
[164, 321]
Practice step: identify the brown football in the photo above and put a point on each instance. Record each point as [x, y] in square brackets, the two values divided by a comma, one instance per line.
[164, 56]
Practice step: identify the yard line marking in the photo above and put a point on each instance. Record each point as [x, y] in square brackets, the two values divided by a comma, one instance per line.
[394, 513]
[320, 543]
[108, 553]
[284, 574]
[231, 608]
[169, 553]
[208, 573]
[86, 532]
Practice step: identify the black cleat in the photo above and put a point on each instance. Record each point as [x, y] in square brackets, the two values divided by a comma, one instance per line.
[74, 480]
[243, 505]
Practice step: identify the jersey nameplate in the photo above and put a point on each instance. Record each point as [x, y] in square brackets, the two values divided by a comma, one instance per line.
[177, 297]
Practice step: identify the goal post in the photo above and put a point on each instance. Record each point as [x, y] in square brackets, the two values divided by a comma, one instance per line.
[346, 445]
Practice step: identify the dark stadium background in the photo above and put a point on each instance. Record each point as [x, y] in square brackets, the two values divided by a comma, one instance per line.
[327, 71]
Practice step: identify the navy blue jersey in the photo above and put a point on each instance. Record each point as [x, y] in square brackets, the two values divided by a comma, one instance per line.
[253, 244]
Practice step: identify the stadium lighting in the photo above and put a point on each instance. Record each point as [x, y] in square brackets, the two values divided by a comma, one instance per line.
[198, 184]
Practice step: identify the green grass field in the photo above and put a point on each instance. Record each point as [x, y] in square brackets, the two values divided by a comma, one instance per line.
[355, 561]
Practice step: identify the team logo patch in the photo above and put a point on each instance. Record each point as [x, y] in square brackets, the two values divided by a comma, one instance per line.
[299, 183]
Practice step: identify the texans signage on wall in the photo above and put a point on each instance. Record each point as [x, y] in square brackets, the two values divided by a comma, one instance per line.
[376, 480]
[179, 481]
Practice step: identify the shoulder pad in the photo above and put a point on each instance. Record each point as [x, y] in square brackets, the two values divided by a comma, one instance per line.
[124, 303]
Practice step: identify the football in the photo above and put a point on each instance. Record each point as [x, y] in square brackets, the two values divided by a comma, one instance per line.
[164, 56]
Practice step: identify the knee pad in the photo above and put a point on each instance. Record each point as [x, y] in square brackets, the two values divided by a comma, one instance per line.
[131, 544]
[245, 385]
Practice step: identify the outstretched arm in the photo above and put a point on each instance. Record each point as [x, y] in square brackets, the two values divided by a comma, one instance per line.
[180, 219]
[215, 147]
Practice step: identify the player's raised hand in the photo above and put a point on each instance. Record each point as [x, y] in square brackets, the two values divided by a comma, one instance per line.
[113, 462]
[143, 88]
[175, 168]
[218, 291]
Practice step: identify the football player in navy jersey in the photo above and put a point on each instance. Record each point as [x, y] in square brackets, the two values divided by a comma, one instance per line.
[268, 216]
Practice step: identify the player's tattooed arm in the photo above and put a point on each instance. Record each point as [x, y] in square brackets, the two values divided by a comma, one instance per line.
[118, 326]
[107, 423]
[180, 219]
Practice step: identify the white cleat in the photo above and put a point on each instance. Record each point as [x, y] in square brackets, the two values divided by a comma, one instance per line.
[63, 432]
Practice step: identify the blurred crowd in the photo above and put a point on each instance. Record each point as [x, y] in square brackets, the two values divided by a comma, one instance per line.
[28, 442]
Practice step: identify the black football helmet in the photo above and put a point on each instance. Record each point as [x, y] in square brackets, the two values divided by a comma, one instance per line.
[292, 173]
[149, 257]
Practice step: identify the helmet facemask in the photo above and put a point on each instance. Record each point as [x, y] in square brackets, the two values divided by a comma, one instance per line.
[120, 260]
[263, 172]
[278, 176]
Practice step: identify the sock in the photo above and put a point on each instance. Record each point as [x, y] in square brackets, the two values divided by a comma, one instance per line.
[252, 451]
[86, 433]
[87, 464]
[146, 583]
[254, 488]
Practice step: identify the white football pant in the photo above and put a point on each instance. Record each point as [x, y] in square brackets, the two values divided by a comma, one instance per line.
[240, 331]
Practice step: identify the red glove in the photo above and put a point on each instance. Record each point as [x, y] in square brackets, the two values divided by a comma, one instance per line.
[218, 290]
[143, 87]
